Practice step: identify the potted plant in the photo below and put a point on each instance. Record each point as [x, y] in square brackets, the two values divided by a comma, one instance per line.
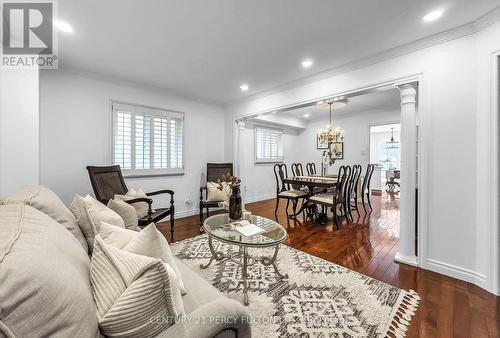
[235, 205]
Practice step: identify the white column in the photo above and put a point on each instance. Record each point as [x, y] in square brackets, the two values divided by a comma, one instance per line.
[406, 253]
[240, 126]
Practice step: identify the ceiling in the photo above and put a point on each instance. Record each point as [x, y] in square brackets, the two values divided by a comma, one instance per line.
[379, 101]
[206, 49]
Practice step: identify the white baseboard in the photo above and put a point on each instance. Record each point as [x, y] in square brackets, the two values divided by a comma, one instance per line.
[196, 211]
[405, 259]
[458, 272]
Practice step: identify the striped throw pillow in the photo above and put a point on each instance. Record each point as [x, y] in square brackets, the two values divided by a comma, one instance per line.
[135, 295]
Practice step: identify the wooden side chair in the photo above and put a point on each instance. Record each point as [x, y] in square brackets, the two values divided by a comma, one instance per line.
[353, 189]
[283, 190]
[336, 199]
[311, 169]
[297, 170]
[108, 181]
[215, 171]
[365, 192]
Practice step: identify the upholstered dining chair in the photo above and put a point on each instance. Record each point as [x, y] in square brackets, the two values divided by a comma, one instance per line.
[107, 181]
[353, 189]
[215, 171]
[297, 170]
[336, 199]
[311, 169]
[365, 192]
[283, 190]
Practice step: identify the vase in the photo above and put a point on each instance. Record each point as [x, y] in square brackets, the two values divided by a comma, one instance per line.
[235, 210]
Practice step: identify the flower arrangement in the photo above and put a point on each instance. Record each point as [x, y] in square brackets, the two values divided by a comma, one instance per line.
[232, 181]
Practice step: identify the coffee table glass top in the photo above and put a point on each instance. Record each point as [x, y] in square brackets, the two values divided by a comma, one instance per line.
[218, 227]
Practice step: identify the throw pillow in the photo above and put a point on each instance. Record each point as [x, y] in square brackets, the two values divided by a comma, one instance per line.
[130, 291]
[150, 242]
[49, 203]
[90, 215]
[127, 213]
[44, 276]
[140, 207]
[116, 236]
[214, 194]
[105, 213]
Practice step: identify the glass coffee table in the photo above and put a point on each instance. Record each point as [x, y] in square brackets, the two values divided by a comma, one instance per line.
[218, 228]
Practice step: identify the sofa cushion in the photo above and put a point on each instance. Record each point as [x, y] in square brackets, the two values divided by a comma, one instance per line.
[91, 214]
[127, 213]
[49, 203]
[141, 208]
[200, 292]
[44, 276]
[131, 291]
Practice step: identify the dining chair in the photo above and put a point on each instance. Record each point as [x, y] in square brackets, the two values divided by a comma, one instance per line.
[353, 189]
[335, 200]
[311, 168]
[346, 194]
[365, 192]
[297, 170]
[283, 190]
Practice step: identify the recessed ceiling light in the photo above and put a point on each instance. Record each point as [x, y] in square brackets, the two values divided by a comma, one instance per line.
[307, 63]
[306, 115]
[244, 87]
[432, 16]
[63, 26]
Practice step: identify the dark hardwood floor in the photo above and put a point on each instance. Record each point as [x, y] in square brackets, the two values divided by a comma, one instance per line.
[448, 308]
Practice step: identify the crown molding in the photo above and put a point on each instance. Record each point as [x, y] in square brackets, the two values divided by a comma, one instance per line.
[138, 85]
[408, 48]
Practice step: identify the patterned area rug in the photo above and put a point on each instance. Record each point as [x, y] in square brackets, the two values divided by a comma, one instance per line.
[319, 299]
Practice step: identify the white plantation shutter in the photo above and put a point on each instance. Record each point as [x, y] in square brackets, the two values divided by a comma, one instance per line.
[268, 145]
[147, 141]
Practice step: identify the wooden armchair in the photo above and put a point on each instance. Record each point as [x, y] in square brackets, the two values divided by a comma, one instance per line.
[108, 181]
[215, 171]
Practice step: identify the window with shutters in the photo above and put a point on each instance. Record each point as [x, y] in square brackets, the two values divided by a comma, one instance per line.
[147, 141]
[268, 145]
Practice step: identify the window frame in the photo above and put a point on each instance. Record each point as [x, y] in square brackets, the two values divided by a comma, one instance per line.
[154, 112]
[271, 160]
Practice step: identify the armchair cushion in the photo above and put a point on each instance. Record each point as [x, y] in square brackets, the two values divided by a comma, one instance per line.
[214, 194]
[131, 291]
[140, 207]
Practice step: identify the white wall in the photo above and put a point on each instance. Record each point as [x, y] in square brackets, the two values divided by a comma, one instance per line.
[76, 132]
[19, 138]
[258, 179]
[455, 119]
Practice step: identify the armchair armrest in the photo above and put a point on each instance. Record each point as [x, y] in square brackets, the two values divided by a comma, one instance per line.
[212, 318]
[164, 191]
[149, 201]
[204, 188]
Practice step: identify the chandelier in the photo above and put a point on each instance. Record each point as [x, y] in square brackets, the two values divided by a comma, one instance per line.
[330, 135]
[392, 144]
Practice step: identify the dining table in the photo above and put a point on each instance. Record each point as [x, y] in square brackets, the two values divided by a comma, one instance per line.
[313, 181]
[323, 182]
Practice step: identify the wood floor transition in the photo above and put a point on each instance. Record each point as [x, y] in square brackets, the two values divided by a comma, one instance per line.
[448, 308]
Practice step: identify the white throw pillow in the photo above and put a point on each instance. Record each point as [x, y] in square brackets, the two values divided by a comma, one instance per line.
[150, 242]
[214, 194]
[90, 213]
[127, 213]
[130, 291]
[140, 207]
[116, 236]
